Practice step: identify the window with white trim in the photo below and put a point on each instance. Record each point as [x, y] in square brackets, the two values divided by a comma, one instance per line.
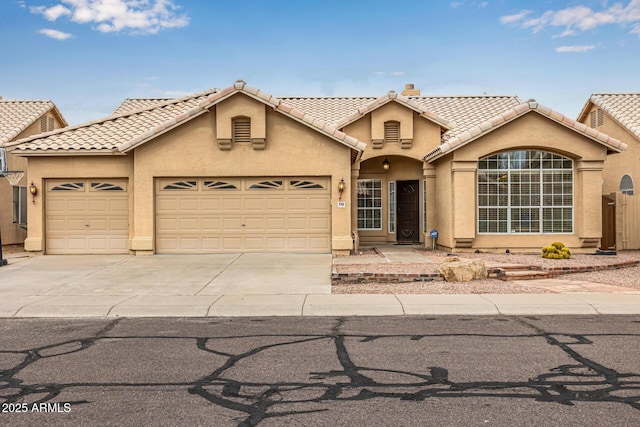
[626, 185]
[3, 161]
[525, 191]
[369, 204]
[19, 205]
[392, 207]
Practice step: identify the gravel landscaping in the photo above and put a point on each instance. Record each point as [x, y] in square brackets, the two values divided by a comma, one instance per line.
[625, 277]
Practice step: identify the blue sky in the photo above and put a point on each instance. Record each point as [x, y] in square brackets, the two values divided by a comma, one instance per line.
[88, 55]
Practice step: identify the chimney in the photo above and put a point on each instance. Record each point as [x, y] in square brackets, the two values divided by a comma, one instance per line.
[409, 90]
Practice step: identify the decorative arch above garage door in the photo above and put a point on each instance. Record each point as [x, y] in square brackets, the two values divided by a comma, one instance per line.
[269, 214]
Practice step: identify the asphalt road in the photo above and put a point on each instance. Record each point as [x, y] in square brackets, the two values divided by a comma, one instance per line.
[385, 371]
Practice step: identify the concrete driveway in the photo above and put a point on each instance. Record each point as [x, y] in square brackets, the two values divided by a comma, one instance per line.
[168, 275]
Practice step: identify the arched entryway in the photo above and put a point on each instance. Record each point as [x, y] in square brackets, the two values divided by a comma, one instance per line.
[390, 201]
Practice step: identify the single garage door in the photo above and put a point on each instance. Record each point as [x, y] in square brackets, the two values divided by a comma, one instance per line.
[87, 216]
[211, 215]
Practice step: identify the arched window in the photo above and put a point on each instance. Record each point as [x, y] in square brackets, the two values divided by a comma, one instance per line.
[525, 191]
[626, 185]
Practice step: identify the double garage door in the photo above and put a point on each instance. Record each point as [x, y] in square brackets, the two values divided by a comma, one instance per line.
[210, 215]
[87, 216]
[193, 215]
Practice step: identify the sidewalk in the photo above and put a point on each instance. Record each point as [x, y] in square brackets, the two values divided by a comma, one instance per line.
[138, 299]
[109, 306]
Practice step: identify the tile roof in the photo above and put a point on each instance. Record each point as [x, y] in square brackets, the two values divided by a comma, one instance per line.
[511, 114]
[104, 135]
[622, 107]
[130, 105]
[17, 115]
[123, 132]
[459, 112]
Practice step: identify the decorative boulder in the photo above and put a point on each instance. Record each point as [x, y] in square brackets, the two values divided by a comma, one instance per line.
[455, 270]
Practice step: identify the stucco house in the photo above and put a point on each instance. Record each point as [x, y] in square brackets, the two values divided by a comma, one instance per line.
[237, 169]
[618, 115]
[20, 119]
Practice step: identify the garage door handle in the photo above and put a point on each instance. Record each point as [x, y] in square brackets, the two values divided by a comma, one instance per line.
[86, 225]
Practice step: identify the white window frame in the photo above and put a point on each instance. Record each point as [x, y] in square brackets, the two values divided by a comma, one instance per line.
[629, 190]
[372, 214]
[541, 205]
[4, 168]
[392, 207]
[19, 204]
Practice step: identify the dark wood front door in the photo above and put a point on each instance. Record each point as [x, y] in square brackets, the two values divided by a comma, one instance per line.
[408, 203]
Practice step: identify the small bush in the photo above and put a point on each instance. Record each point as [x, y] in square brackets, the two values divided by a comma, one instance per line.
[556, 251]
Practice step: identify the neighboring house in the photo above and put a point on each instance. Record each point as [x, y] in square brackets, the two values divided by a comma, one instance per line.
[618, 115]
[20, 119]
[237, 170]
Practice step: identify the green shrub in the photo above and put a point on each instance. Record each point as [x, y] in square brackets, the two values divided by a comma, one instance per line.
[557, 250]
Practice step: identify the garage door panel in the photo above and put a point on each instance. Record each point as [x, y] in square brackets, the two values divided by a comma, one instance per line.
[254, 224]
[75, 206]
[189, 204]
[231, 224]
[189, 224]
[321, 224]
[318, 204]
[211, 204]
[232, 243]
[79, 221]
[75, 225]
[258, 214]
[231, 204]
[211, 225]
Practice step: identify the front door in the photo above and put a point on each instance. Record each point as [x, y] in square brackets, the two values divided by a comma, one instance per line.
[408, 203]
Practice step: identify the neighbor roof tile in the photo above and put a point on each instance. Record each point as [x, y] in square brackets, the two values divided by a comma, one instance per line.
[622, 107]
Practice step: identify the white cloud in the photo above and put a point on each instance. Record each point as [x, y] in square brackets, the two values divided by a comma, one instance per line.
[110, 16]
[398, 73]
[54, 34]
[517, 17]
[51, 13]
[575, 49]
[580, 18]
[483, 4]
[455, 4]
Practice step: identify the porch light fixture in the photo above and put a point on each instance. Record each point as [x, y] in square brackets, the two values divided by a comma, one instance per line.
[386, 165]
[33, 190]
[341, 187]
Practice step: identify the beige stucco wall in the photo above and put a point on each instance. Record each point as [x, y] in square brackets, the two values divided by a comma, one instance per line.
[456, 184]
[14, 233]
[425, 134]
[618, 164]
[191, 150]
[406, 163]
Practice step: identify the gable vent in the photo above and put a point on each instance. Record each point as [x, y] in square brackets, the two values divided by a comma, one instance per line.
[242, 129]
[597, 118]
[391, 132]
